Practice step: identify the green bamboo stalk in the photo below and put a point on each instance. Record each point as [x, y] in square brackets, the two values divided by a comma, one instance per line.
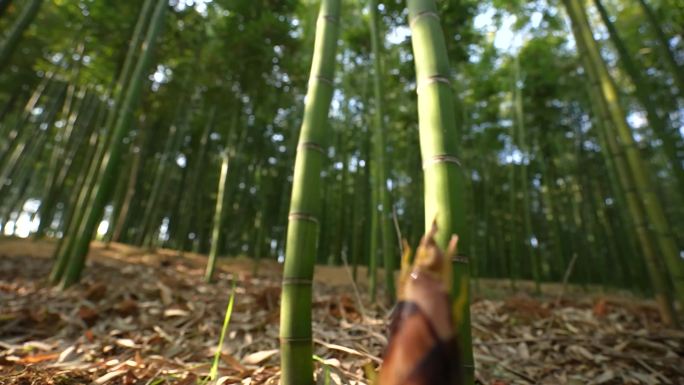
[305, 206]
[72, 215]
[195, 177]
[12, 148]
[66, 244]
[7, 108]
[444, 181]
[638, 218]
[654, 213]
[119, 93]
[524, 148]
[16, 200]
[676, 70]
[16, 135]
[176, 210]
[33, 146]
[260, 218]
[324, 221]
[118, 220]
[358, 218]
[374, 232]
[643, 91]
[581, 235]
[627, 250]
[153, 218]
[557, 259]
[14, 34]
[512, 234]
[624, 168]
[343, 210]
[119, 196]
[21, 174]
[82, 122]
[123, 80]
[379, 152]
[216, 231]
[111, 162]
[161, 178]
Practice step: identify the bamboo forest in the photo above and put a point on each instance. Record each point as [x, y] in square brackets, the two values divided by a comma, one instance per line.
[426, 192]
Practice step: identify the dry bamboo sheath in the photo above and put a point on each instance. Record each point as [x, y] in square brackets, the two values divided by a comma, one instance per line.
[422, 349]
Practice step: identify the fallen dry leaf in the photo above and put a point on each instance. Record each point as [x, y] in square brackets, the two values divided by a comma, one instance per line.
[517, 339]
[88, 315]
[600, 308]
[36, 358]
[259, 357]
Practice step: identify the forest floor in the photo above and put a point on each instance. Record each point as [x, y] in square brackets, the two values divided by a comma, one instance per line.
[148, 318]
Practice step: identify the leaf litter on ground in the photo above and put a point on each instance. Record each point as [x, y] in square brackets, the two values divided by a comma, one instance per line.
[148, 318]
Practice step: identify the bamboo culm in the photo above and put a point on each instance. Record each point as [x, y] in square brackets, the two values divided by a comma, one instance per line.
[443, 179]
[638, 169]
[305, 206]
[108, 169]
[28, 12]
[379, 149]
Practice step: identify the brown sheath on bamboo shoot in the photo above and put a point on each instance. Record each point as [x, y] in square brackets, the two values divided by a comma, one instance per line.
[422, 347]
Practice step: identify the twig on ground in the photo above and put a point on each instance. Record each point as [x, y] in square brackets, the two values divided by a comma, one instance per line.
[356, 288]
[566, 277]
[519, 374]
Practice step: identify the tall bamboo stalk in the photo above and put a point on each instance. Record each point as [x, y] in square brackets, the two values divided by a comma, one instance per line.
[260, 219]
[32, 147]
[123, 80]
[191, 201]
[90, 109]
[305, 206]
[625, 163]
[676, 70]
[521, 141]
[655, 215]
[88, 179]
[14, 34]
[86, 175]
[121, 212]
[375, 235]
[379, 153]
[643, 91]
[513, 232]
[638, 218]
[12, 147]
[444, 181]
[161, 179]
[216, 230]
[110, 164]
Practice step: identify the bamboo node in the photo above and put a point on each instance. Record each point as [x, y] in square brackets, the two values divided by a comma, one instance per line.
[415, 18]
[294, 281]
[323, 79]
[296, 340]
[331, 18]
[431, 80]
[303, 216]
[311, 146]
[441, 159]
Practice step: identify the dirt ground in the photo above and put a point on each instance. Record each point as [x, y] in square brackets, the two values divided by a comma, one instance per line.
[147, 318]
